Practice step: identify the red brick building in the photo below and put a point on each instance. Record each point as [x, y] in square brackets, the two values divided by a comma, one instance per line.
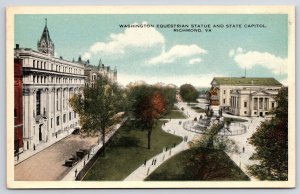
[213, 96]
[18, 109]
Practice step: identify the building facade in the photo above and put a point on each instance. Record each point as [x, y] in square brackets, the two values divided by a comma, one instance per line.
[248, 102]
[48, 84]
[93, 72]
[243, 96]
[18, 106]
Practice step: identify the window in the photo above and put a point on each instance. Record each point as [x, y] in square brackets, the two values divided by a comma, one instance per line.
[245, 112]
[273, 104]
[33, 63]
[15, 113]
[57, 120]
[64, 118]
[38, 102]
[245, 104]
[33, 79]
[70, 116]
[51, 122]
[74, 114]
[57, 105]
[224, 101]
[224, 91]
[255, 113]
[37, 64]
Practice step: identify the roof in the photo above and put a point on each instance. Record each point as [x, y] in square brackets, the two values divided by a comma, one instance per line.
[46, 36]
[257, 81]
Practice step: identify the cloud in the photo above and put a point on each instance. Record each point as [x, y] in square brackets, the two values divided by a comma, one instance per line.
[250, 59]
[178, 80]
[176, 52]
[195, 60]
[130, 38]
[86, 56]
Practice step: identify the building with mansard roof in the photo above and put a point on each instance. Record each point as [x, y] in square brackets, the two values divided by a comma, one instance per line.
[93, 72]
[48, 84]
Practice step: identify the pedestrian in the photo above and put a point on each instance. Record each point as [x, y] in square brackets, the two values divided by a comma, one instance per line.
[170, 152]
[84, 163]
[152, 161]
[174, 145]
[243, 149]
[18, 156]
[148, 170]
[155, 161]
[56, 135]
[76, 173]
[145, 162]
[34, 147]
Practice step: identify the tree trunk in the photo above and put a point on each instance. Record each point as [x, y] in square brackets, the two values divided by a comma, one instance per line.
[149, 138]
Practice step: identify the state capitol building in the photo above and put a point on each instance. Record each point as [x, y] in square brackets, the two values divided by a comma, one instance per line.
[43, 85]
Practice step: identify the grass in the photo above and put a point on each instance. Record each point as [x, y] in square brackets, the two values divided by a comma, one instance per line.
[231, 119]
[127, 151]
[199, 164]
[174, 114]
[198, 109]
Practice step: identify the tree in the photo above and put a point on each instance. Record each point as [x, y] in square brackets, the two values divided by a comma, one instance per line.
[147, 105]
[188, 93]
[271, 143]
[169, 95]
[97, 106]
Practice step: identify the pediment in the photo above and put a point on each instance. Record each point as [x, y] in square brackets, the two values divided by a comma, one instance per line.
[261, 93]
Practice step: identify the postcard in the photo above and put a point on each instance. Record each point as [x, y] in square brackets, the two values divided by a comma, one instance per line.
[150, 97]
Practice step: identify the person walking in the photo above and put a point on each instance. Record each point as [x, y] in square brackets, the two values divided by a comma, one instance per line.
[145, 162]
[76, 173]
[243, 149]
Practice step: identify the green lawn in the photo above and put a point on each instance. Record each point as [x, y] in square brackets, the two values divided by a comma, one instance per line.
[198, 164]
[231, 119]
[127, 151]
[174, 114]
[198, 109]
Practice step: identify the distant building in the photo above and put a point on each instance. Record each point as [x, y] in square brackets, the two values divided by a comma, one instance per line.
[92, 72]
[244, 96]
[48, 84]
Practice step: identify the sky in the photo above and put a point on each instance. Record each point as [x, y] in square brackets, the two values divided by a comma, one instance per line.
[158, 53]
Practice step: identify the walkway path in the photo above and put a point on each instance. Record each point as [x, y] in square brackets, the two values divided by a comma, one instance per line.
[242, 141]
[174, 128]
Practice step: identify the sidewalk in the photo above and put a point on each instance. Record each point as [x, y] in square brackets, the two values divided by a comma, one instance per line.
[171, 127]
[245, 150]
[28, 153]
[79, 166]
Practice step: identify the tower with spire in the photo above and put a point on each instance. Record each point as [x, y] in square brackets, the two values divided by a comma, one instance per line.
[45, 43]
